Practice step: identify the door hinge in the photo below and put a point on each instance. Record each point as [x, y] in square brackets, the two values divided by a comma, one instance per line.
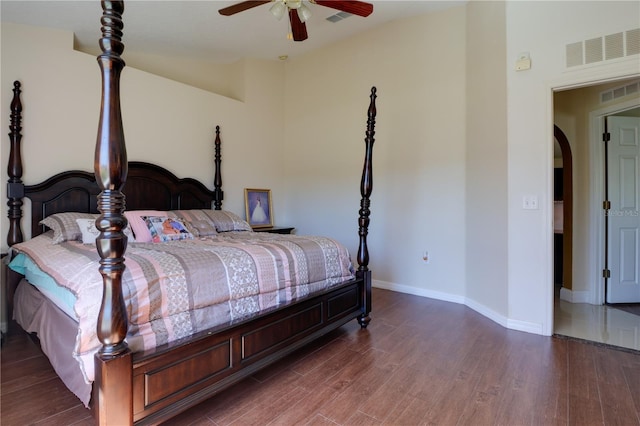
[606, 137]
[606, 273]
[606, 205]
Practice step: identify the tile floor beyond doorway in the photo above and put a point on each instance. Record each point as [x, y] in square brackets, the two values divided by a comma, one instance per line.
[598, 323]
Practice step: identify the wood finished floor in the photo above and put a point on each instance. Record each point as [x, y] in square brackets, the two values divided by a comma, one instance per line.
[420, 362]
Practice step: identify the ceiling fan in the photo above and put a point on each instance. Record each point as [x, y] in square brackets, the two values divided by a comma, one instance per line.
[299, 13]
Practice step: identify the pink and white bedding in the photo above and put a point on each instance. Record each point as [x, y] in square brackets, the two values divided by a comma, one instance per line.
[175, 289]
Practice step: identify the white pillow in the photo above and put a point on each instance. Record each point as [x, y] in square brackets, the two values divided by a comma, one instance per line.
[90, 232]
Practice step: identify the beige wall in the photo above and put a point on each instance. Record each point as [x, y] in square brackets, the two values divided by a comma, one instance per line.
[165, 121]
[486, 161]
[418, 200]
[223, 79]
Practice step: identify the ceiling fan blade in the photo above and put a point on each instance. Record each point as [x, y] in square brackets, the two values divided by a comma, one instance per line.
[359, 8]
[298, 28]
[241, 7]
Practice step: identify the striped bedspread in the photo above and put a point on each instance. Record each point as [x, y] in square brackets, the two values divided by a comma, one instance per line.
[175, 289]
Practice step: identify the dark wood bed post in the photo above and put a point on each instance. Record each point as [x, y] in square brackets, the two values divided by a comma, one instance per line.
[217, 191]
[366, 186]
[113, 386]
[15, 188]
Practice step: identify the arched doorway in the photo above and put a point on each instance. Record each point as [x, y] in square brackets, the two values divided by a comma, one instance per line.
[566, 207]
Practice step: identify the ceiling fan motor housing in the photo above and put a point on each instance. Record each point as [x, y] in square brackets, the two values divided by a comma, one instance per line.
[299, 13]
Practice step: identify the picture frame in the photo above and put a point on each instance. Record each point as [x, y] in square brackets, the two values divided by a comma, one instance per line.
[258, 207]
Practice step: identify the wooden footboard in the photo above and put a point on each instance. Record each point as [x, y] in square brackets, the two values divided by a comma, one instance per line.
[178, 376]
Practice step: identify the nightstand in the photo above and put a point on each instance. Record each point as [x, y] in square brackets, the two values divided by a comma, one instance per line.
[276, 230]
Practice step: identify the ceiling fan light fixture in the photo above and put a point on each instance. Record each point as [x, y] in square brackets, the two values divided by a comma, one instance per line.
[278, 9]
[304, 13]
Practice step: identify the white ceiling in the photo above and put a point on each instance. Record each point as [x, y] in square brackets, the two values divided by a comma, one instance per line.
[194, 28]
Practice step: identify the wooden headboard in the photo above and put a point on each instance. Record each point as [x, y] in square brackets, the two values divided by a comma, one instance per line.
[154, 187]
[151, 187]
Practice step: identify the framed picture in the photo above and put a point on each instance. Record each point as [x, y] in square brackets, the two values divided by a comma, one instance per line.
[257, 204]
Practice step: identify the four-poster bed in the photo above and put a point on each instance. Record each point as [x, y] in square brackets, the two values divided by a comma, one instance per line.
[151, 385]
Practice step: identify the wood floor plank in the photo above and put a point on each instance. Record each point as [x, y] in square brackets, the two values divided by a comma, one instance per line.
[30, 372]
[327, 370]
[195, 416]
[22, 347]
[320, 356]
[361, 419]
[490, 390]
[320, 420]
[382, 402]
[632, 378]
[584, 398]
[409, 411]
[227, 406]
[618, 406]
[552, 394]
[44, 400]
[367, 382]
[268, 409]
[76, 416]
[465, 375]
[308, 409]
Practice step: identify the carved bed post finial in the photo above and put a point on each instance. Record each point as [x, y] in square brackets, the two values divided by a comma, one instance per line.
[113, 360]
[218, 194]
[366, 186]
[15, 187]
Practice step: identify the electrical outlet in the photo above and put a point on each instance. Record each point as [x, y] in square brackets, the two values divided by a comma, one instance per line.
[425, 256]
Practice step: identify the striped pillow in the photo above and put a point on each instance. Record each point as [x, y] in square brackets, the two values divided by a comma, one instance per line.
[64, 225]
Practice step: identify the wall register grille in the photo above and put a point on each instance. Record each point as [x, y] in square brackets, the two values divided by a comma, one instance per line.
[621, 91]
[606, 48]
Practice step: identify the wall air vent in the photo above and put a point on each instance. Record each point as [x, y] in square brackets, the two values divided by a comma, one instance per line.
[599, 49]
[593, 50]
[633, 42]
[620, 91]
[338, 17]
[575, 56]
[614, 46]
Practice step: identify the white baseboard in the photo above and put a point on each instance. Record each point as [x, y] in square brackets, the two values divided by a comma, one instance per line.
[511, 324]
[418, 291]
[572, 296]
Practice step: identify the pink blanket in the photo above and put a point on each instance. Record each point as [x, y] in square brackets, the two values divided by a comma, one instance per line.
[175, 289]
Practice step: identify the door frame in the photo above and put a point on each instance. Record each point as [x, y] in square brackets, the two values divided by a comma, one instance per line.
[596, 197]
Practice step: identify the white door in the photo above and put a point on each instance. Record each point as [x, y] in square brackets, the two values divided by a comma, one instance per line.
[623, 216]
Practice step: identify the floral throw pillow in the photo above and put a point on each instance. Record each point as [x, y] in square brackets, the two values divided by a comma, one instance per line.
[165, 228]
